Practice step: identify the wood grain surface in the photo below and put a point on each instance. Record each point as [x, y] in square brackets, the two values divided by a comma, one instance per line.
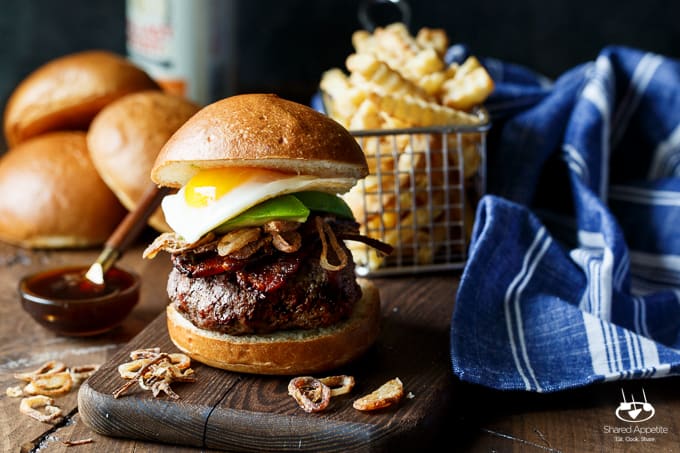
[466, 417]
[240, 412]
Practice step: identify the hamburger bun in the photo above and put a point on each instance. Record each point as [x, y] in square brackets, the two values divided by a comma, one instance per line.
[53, 196]
[124, 140]
[261, 130]
[284, 352]
[67, 92]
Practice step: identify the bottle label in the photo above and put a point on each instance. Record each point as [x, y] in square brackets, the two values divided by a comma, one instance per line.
[180, 44]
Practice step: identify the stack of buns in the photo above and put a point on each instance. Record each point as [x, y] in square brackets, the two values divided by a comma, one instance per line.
[83, 131]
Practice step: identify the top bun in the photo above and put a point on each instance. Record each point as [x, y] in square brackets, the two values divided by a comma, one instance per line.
[125, 138]
[53, 197]
[67, 92]
[261, 130]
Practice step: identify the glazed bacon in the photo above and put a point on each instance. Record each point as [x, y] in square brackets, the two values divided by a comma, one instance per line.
[206, 264]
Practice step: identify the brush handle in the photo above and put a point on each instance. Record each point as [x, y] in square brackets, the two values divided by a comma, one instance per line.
[135, 221]
[125, 233]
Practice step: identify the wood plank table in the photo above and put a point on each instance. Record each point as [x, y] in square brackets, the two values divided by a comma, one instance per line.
[464, 417]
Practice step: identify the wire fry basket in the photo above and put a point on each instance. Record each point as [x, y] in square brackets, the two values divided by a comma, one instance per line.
[420, 196]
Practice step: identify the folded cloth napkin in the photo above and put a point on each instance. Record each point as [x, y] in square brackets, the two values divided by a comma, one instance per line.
[573, 275]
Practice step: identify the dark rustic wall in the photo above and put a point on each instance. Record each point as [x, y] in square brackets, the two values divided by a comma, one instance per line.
[283, 46]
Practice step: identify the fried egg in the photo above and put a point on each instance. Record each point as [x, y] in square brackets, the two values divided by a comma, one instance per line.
[216, 195]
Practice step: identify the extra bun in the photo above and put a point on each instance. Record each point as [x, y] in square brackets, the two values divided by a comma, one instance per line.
[53, 197]
[261, 130]
[67, 92]
[125, 138]
[283, 353]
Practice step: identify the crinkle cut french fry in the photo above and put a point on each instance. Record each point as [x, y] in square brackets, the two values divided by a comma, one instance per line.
[341, 98]
[363, 41]
[378, 74]
[432, 83]
[396, 40]
[423, 63]
[421, 112]
[470, 86]
[435, 38]
[366, 116]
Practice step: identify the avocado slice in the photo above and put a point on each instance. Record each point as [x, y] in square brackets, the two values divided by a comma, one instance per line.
[325, 202]
[285, 207]
[294, 207]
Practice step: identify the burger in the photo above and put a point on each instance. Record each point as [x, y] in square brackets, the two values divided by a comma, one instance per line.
[262, 281]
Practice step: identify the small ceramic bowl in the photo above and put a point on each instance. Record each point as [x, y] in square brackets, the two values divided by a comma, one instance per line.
[63, 301]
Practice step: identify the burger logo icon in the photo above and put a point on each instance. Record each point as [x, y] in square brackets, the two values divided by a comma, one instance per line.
[634, 411]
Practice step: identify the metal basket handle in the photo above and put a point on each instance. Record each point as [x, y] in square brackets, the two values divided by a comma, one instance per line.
[367, 10]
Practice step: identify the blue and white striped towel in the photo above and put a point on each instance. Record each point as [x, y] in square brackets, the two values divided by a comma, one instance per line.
[573, 274]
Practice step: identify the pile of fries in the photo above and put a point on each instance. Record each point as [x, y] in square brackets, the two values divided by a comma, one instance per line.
[415, 190]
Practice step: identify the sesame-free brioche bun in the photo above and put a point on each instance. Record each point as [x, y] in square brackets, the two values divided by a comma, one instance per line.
[293, 352]
[53, 197]
[262, 130]
[125, 138]
[67, 92]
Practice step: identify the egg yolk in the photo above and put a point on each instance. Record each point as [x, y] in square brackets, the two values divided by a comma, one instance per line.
[210, 185]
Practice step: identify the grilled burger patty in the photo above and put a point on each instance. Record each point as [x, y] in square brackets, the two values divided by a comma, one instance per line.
[269, 290]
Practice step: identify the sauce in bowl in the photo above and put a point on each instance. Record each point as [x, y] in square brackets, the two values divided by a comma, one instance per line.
[65, 302]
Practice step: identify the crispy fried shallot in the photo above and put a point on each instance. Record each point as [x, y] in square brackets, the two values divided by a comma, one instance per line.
[339, 384]
[73, 443]
[56, 384]
[327, 235]
[52, 379]
[41, 408]
[82, 372]
[282, 234]
[237, 239]
[173, 243]
[311, 394]
[129, 370]
[145, 353]
[155, 371]
[287, 242]
[14, 391]
[245, 249]
[382, 247]
[314, 395]
[386, 395]
[51, 367]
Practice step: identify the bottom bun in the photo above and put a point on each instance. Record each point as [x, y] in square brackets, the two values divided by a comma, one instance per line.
[292, 352]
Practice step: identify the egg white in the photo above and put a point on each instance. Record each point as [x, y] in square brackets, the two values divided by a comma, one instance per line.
[193, 222]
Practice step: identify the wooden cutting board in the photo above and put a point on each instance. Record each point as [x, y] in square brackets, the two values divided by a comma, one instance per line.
[239, 412]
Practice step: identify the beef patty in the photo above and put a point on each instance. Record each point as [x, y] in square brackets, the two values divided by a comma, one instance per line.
[272, 291]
